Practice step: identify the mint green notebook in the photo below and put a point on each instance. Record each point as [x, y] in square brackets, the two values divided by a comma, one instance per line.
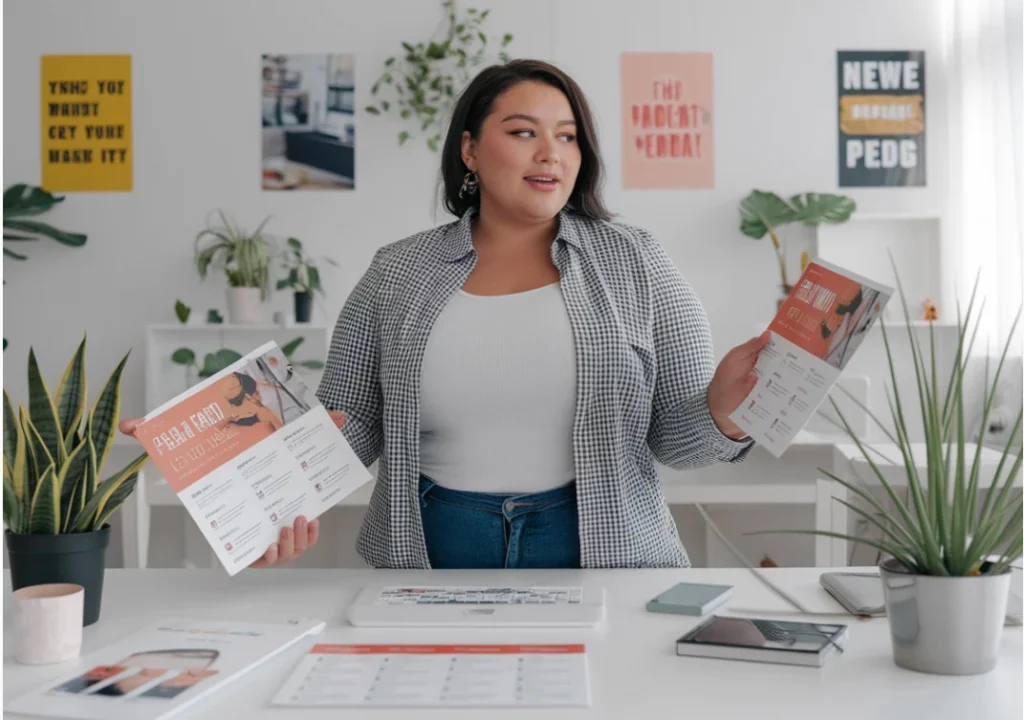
[690, 599]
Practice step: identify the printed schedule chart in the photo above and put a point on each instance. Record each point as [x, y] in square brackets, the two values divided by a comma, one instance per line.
[439, 676]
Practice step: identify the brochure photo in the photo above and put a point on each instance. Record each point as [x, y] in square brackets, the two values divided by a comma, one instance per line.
[159, 670]
[817, 330]
[247, 451]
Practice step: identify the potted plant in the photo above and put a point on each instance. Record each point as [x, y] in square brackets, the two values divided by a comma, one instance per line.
[946, 546]
[56, 508]
[245, 259]
[303, 277]
[763, 213]
[423, 78]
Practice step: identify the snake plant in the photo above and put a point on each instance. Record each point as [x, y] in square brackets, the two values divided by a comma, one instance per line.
[945, 524]
[55, 450]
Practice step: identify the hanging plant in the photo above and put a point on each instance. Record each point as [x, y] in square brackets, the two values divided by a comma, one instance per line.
[420, 84]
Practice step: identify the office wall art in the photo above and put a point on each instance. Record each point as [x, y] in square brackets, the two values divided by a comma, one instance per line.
[667, 120]
[308, 121]
[86, 122]
[881, 118]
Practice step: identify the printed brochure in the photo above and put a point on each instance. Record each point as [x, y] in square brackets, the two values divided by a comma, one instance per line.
[817, 330]
[247, 451]
[158, 671]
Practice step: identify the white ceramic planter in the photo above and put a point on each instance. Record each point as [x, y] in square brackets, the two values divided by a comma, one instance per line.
[945, 625]
[245, 306]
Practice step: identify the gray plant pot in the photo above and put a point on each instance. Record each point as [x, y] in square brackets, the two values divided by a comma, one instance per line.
[945, 625]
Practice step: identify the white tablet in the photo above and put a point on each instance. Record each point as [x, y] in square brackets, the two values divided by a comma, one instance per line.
[476, 605]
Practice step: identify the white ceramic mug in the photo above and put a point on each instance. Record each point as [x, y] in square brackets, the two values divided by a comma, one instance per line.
[48, 623]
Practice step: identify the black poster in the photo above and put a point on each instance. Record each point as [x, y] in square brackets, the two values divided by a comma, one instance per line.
[881, 118]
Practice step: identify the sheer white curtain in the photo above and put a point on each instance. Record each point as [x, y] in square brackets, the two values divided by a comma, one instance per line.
[986, 178]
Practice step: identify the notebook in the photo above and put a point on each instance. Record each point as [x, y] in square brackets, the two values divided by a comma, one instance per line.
[771, 641]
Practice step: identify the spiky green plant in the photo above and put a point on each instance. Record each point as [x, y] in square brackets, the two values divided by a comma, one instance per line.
[54, 454]
[946, 524]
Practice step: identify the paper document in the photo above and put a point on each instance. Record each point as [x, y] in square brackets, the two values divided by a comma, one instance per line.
[439, 676]
[817, 330]
[158, 671]
[247, 451]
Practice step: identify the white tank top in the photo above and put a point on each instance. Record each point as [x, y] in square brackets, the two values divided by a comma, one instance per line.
[498, 393]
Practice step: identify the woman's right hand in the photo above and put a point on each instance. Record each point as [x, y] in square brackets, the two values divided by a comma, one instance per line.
[128, 427]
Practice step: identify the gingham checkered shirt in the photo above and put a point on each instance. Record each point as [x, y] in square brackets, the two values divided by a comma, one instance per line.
[644, 360]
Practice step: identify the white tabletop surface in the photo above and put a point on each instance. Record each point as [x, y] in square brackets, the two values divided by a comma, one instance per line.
[634, 670]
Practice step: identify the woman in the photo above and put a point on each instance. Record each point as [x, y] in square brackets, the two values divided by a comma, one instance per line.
[517, 372]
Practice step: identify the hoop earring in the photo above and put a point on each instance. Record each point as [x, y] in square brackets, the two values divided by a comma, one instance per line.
[469, 184]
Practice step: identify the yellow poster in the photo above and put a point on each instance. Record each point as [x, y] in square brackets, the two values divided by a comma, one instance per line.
[86, 117]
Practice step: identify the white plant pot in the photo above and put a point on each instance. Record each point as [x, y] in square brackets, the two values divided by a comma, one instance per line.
[245, 306]
[945, 625]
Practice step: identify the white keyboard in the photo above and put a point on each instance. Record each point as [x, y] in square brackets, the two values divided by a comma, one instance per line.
[479, 595]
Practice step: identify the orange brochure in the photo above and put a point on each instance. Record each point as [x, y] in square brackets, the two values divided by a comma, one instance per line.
[816, 331]
[247, 451]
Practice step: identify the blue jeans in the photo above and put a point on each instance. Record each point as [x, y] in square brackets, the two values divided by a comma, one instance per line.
[488, 530]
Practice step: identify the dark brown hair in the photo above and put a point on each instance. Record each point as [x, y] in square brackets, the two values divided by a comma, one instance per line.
[475, 104]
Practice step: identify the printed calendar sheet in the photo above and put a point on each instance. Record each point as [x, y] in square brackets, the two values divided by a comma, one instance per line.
[333, 675]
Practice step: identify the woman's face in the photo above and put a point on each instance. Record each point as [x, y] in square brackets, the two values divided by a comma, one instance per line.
[526, 156]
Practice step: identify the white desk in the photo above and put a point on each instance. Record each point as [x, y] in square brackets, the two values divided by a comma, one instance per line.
[634, 670]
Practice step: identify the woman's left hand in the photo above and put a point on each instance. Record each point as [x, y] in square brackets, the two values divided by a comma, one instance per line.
[734, 379]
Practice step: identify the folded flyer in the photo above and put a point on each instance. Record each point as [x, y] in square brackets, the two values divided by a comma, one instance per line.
[247, 451]
[158, 671]
[817, 330]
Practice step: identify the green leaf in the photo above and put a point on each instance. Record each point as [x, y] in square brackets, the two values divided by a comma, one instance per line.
[817, 208]
[292, 346]
[74, 473]
[67, 238]
[213, 317]
[105, 413]
[762, 211]
[183, 356]
[100, 504]
[372, 110]
[312, 364]
[432, 144]
[506, 39]
[115, 500]
[71, 396]
[402, 137]
[14, 255]
[12, 506]
[43, 412]
[214, 362]
[45, 513]
[182, 311]
[22, 200]
[32, 463]
[11, 433]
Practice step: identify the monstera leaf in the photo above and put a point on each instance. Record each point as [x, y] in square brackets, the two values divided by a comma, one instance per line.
[761, 211]
[817, 208]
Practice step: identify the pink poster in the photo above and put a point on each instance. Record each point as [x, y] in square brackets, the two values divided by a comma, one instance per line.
[667, 119]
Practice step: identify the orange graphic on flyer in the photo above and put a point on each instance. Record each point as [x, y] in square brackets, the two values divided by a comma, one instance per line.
[207, 429]
[819, 309]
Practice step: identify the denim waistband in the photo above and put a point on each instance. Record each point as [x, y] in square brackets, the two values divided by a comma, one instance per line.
[495, 502]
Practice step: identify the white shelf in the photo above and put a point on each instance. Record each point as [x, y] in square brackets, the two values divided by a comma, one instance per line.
[227, 327]
[165, 379]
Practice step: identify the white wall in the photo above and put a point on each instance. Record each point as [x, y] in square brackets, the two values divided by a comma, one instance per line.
[197, 146]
